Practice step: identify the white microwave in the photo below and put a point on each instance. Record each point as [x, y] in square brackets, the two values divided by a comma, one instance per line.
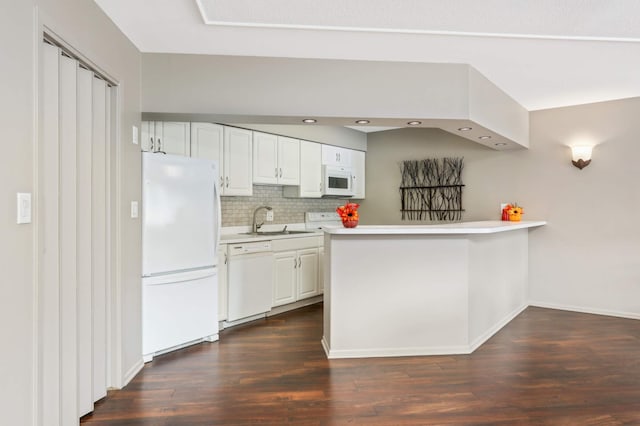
[337, 181]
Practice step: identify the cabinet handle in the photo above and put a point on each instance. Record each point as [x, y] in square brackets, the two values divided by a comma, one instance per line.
[299, 262]
[159, 145]
[276, 172]
[295, 263]
[226, 257]
[227, 181]
[280, 172]
[151, 144]
[221, 181]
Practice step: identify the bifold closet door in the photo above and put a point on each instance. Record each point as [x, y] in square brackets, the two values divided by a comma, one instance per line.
[100, 109]
[73, 240]
[68, 254]
[85, 274]
[48, 243]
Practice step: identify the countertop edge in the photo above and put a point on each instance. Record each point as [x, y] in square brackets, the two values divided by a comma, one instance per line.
[239, 238]
[477, 227]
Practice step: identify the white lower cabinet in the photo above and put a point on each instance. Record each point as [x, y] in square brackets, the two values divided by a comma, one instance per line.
[295, 269]
[307, 273]
[223, 283]
[295, 276]
[284, 277]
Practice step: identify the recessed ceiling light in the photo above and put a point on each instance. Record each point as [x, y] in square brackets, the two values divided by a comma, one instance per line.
[414, 123]
[500, 144]
[362, 122]
[464, 129]
[484, 137]
[309, 120]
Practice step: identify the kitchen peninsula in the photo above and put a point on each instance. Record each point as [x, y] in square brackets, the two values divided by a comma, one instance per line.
[422, 290]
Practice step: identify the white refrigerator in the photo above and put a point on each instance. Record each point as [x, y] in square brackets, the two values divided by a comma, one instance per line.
[180, 235]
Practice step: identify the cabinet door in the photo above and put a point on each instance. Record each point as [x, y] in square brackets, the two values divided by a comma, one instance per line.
[223, 283]
[265, 158]
[307, 273]
[288, 161]
[336, 156]
[147, 135]
[321, 270]
[207, 141]
[238, 162]
[173, 137]
[310, 170]
[285, 268]
[357, 170]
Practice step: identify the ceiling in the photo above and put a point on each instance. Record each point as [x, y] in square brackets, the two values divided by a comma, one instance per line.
[543, 53]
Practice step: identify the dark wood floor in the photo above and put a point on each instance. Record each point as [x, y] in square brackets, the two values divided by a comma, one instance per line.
[545, 367]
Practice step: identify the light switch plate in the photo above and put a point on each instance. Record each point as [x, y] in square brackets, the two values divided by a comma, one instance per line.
[24, 207]
[269, 217]
[135, 135]
[134, 209]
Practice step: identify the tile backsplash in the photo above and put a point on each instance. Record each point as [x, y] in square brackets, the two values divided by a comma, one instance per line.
[238, 211]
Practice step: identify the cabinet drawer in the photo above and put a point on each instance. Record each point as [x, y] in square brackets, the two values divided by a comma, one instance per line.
[297, 243]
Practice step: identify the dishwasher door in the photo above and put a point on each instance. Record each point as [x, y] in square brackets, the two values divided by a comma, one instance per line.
[250, 278]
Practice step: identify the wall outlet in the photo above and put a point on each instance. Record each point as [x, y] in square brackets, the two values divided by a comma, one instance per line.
[134, 210]
[135, 135]
[269, 217]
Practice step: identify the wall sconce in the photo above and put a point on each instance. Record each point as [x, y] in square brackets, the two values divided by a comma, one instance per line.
[581, 156]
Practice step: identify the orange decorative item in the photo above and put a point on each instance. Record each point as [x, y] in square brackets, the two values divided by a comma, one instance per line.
[515, 213]
[349, 214]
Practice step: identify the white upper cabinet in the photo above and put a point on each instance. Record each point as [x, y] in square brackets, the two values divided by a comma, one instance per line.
[276, 159]
[265, 158]
[336, 156]
[238, 169]
[174, 137]
[288, 161]
[207, 141]
[310, 170]
[357, 173]
[147, 136]
[170, 137]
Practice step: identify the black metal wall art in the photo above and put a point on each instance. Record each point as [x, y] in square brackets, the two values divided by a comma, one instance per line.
[432, 188]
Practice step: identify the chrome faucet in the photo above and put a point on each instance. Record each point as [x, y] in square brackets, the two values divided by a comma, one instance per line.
[257, 226]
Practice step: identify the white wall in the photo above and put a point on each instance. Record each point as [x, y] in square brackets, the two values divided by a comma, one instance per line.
[586, 258]
[16, 244]
[83, 25]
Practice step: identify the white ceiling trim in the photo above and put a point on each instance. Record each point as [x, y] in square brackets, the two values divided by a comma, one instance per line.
[246, 24]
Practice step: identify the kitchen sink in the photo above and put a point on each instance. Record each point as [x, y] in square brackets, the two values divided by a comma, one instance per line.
[278, 233]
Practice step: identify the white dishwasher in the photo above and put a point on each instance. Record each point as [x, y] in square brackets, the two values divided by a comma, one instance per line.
[250, 275]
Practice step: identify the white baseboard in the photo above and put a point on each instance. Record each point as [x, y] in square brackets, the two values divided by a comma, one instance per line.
[585, 310]
[394, 352]
[133, 371]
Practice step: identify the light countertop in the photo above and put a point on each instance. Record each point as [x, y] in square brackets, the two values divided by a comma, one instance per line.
[239, 234]
[479, 227]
